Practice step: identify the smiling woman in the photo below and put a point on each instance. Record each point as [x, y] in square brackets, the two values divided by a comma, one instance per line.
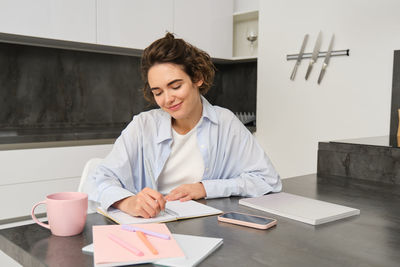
[195, 149]
[176, 94]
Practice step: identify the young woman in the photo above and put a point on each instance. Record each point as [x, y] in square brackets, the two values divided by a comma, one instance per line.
[186, 149]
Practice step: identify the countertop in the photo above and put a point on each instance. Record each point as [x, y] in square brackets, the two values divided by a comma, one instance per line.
[55, 137]
[369, 239]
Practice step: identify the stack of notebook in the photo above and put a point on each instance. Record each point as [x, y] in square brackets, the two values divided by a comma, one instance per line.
[179, 250]
[113, 245]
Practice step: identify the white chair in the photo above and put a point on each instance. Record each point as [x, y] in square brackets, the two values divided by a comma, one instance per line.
[88, 186]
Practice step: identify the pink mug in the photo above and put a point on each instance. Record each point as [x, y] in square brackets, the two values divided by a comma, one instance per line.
[66, 213]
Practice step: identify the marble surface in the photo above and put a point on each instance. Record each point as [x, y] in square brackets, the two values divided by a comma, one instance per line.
[55, 137]
[383, 141]
[57, 94]
[366, 158]
[394, 115]
[370, 239]
[58, 134]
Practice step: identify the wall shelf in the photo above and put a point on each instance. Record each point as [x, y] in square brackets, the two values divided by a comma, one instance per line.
[247, 15]
[242, 23]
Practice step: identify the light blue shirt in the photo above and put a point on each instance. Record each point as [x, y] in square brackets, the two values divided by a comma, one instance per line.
[234, 163]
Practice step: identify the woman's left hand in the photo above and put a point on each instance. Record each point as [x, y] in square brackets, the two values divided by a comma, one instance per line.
[187, 192]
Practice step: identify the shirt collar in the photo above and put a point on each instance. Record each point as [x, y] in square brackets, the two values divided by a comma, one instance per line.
[164, 131]
[164, 124]
[208, 111]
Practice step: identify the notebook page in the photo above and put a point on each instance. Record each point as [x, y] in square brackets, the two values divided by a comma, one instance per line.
[123, 218]
[190, 209]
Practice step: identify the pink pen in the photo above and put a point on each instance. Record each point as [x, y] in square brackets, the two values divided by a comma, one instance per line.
[145, 231]
[125, 245]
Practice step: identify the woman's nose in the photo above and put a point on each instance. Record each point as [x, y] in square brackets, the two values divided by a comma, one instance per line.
[169, 96]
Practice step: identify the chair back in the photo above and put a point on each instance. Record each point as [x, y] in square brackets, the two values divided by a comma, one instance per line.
[87, 186]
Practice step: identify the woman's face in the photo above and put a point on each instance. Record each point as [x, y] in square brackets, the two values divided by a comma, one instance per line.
[174, 91]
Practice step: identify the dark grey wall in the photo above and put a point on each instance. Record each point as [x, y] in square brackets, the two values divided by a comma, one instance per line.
[394, 117]
[235, 87]
[47, 87]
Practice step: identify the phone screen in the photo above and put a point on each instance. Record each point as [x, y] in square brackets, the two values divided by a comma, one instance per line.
[246, 218]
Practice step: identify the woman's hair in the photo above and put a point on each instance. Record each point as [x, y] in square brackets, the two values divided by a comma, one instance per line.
[195, 62]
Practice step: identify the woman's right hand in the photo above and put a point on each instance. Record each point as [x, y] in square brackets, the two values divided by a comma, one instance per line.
[147, 203]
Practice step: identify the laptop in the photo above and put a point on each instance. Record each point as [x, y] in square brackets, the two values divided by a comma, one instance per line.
[303, 209]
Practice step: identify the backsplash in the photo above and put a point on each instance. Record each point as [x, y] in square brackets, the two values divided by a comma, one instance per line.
[48, 87]
[43, 87]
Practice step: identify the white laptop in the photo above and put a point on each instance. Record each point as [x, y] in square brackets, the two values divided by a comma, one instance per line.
[299, 208]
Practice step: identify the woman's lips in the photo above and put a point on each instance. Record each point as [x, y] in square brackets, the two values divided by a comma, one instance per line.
[175, 107]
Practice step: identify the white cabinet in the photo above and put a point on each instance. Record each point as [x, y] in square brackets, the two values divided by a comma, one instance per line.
[28, 175]
[133, 23]
[72, 20]
[207, 24]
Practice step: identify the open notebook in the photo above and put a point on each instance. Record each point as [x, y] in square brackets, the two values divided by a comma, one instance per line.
[299, 208]
[174, 210]
[195, 248]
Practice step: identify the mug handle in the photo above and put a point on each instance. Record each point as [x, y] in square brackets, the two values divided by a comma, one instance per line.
[45, 225]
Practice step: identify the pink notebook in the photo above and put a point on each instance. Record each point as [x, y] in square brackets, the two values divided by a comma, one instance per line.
[109, 253]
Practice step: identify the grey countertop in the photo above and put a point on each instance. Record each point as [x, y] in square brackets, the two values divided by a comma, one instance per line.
[55, 137]
[370, 239]
[58, 134]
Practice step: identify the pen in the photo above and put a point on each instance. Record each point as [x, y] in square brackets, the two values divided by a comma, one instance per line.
[147, 232]
[125, 245]
[147, 242]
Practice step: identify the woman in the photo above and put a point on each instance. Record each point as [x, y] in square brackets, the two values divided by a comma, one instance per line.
[187, 149]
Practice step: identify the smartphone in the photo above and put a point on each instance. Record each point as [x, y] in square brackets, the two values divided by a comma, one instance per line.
[258, 222]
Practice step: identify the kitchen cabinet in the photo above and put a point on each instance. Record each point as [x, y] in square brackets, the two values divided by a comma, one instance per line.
[28, 175]
[207, 24]
[73, 20]
[133, 23]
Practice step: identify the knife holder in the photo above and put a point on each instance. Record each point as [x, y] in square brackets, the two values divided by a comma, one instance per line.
[335, 53]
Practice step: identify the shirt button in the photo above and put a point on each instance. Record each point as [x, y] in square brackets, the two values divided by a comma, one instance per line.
[202, 146]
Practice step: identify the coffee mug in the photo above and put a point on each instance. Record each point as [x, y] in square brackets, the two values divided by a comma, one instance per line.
[66, 213]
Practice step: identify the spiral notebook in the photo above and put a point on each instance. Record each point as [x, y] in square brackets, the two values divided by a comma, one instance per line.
[174, 210]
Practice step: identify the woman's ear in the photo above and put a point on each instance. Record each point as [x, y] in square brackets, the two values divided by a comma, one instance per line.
[199, 83]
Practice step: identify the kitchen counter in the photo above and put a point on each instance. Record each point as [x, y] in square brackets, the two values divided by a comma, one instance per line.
[369, 239]
[56, 137]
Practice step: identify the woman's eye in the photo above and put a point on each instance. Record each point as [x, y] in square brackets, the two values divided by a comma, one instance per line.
[177, 87]
[157, 93]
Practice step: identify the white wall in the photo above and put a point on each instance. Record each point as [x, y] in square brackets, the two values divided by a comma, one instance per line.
[245, 5]
[354, 98]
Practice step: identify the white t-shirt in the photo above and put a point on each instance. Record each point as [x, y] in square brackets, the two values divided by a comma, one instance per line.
[185, 163]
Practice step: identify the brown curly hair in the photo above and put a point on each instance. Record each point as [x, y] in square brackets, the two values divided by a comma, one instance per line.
[195, 62]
